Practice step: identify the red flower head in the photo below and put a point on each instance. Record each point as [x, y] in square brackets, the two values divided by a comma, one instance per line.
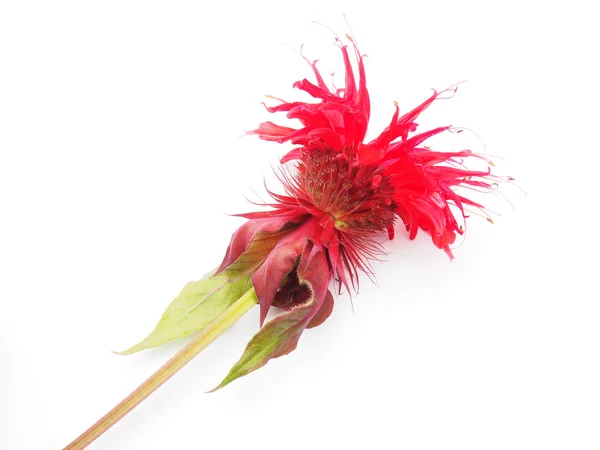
[343, 194]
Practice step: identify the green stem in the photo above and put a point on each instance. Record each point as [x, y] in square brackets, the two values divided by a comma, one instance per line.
[170, 368]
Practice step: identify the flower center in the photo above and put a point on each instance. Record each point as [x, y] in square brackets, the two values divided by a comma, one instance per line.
[350, 195]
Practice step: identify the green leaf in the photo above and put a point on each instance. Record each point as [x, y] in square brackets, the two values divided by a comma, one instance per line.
[276, 338]
[201, 302]
[198, 304]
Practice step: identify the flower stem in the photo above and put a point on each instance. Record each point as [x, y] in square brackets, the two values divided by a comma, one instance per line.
[170, 368]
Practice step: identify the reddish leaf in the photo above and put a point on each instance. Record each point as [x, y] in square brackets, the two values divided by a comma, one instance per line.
[280, 336]
[323, 313]
[251, 244]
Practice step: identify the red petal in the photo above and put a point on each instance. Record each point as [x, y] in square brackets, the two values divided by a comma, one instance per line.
[269, 131]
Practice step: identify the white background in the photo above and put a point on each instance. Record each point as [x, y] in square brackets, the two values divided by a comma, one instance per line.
[120, 148]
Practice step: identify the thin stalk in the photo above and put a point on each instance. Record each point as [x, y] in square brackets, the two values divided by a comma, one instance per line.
[170, 368]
